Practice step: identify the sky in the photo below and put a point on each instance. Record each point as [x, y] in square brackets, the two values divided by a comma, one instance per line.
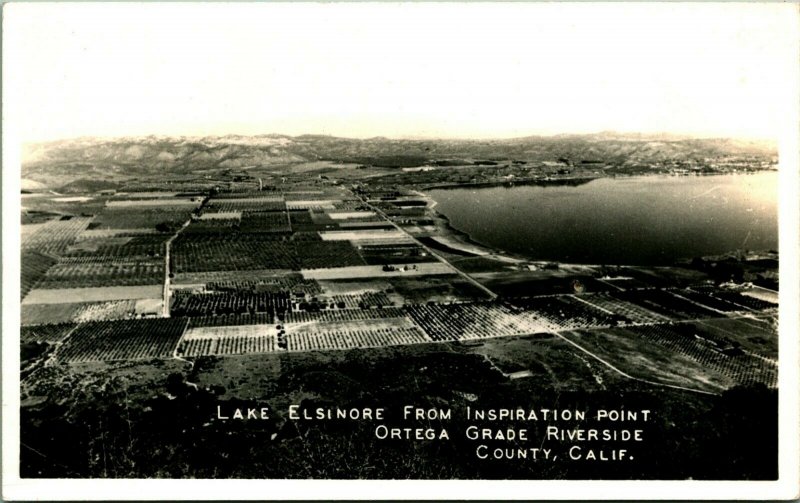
[397, 70]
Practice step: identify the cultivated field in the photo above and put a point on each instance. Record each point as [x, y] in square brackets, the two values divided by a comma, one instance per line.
[376, 271]
[665, 303]
[314, 333]
[317, 269]
[159, 202]
[754, 335]
[259, 275]
[474, 321]
[366, 300]
[122, 340]
[351, 339]
[347, 323]
[46, 333]
[56, 235]
[108, 233]
[43, 314]
[120, 247]
[631, 312]
[343, 315]
[229, 345]
[318, 204]
[94, 294]
[140, 218]
[33, 266]
[272, 203]
[221, 215]
[565, 312]
[192, 253]
[395, 254]
[712, 353]
[643, 359]
[228, 340]
[39, 314]
[78, 273]
[350, 215]
[235, 302]
[392, 235]
[224, 320]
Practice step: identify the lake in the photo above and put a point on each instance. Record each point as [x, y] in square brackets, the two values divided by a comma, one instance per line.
[647, 220]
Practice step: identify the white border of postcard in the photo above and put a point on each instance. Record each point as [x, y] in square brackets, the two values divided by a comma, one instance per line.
[786, 487]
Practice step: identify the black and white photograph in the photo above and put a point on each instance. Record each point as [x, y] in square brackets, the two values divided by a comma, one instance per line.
[295, 249]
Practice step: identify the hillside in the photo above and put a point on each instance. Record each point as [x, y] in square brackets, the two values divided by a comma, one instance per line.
[54, 164]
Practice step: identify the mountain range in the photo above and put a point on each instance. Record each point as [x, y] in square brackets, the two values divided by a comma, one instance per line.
[51, 163]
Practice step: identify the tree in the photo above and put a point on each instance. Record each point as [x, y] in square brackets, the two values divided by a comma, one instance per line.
[165, 227]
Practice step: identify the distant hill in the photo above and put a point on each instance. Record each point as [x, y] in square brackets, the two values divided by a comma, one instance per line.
[54, 164]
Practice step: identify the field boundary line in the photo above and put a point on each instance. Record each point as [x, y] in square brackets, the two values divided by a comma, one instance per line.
[576, 297]
[458, 271]
[619, 288]
[167, 245]
[178, 345]
[53, 358]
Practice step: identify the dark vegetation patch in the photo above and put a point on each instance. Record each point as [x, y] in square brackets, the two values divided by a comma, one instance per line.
[390, 161]
[394, 254]
[176, 434]
[236, 252]
[436, 245]
[33, 267]
[122, 340]
[84, 185]
[511, 285]
[160, 219]
[480, 264]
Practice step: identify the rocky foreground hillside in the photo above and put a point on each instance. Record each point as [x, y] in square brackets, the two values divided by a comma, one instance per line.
[54, 163]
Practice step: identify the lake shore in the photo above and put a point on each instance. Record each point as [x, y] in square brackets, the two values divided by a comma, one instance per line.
[608, 220]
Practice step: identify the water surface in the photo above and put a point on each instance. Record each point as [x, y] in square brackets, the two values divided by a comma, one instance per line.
[649, 220]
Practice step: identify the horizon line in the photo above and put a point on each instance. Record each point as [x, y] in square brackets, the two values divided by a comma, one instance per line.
[668, 136]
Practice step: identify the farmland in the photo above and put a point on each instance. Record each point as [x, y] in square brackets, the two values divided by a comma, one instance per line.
[34, 265]
[323, 273]
[350, 339]
[364, 300]
[122, 340]
[90, 272]
[106, 264]
[630, 313]
[376, 271]
[267, 280]
[56, 235]
[159, 202]
[629, 353]
[395, 254]
[473, 321]
[714, 353]
[46, 333]
[229, 303]
[319, 269]
[69, 311]
[253, 252]
[228, 344]
[119, 247]
[139, 218]
[265, 221]
[389, 236]
[566, 312]
[262, 204]
[91, 294]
